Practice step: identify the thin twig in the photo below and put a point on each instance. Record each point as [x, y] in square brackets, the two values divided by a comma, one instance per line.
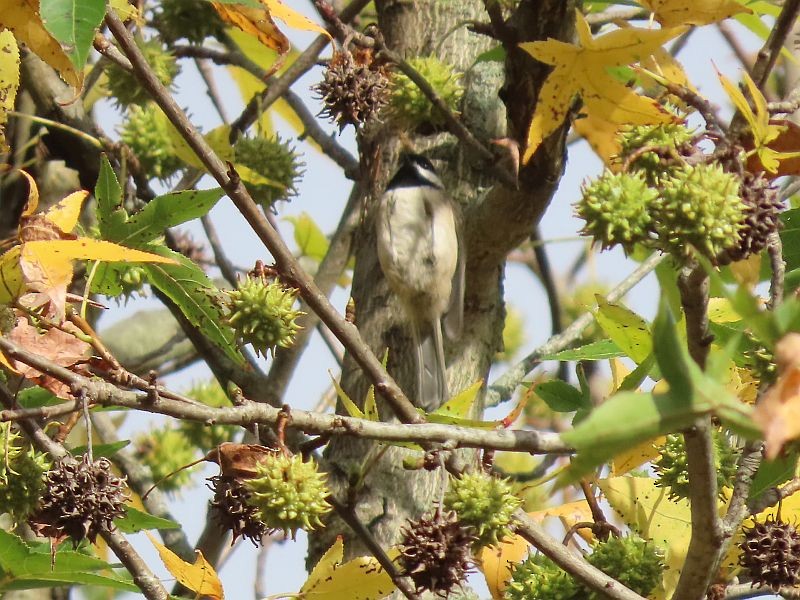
[778, 270]
[57, 125]
[211, 86]
[226, 267]
[100, 392]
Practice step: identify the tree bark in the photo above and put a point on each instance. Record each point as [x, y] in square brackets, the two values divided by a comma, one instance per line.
[371, 478]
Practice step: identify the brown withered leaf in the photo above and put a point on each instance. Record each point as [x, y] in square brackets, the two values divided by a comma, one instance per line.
[778, 413]
[55, 345]
[238, 460]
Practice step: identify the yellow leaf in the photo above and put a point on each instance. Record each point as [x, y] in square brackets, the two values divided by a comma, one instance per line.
[602, 137]
[460, 405]
[11, 279]
[23, 18]
[693, 12]
[720, 310]
[497, 562]
[218, 138]
[256, 22]
[125, 10]
[583, 70]
[293, 19]
[87, 249]
[647, 510]
[9, 80]
[199, 577]
[32, 203]
[361, 578]
[635, 457]
[66, 213]
[664, 64]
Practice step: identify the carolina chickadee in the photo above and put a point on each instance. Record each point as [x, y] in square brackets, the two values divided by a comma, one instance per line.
[418, 249]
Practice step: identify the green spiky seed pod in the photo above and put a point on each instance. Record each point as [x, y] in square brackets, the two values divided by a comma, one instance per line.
[435, 552]
[193, 20]
[289, 493]
[124, 86]
[22, 472]
[634, 562]
[699, 208]
[672, 472]
[263, 314]
[665, 143]
[274, 160]
[771, 554]
[410, 107]
[484, 503]
[539, 578]
[616, 209]
[205, 436]
[146, 132]
[165, 451]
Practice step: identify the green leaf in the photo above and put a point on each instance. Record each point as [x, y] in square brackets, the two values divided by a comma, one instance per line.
[98, 450]
[110, 214]
[196, 297]
[561, 396]
[73, 23]
[671, 355]
[166, 211]
[35, 397]
[635, 378]
[136, 520]
[496, 54]
[621, 422]
[309, 237]
[790, 238]
[628, 330]
[600, 350]
[772, 473]
[27, 566]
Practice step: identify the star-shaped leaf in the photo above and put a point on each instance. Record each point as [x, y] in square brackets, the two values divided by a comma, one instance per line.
[584, 70]
[693, 12]
[764, 132]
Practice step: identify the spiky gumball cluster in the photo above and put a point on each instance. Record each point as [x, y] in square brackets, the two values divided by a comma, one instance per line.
[288, 492]
[275, 161]
[762, 208]
[435, 552]
[483, 503]
[410, 107]
[653, 149]
[354, 89]
[615, 207]
[232, 510]
[263, 314]
[81, 499]
[165, 451]
[193, 20]
[146, 132]
[672, 471]
[539, 578]
[699, 208]
[204, 435]
[634, 562]
[124, 86]
[21, 474]
[771, 554]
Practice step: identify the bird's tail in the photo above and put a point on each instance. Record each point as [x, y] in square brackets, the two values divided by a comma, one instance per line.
[431, 372]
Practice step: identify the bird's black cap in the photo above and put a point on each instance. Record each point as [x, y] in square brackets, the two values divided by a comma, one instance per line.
[413, 172]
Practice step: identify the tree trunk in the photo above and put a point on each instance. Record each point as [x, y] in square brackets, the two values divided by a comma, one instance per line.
[369, 477]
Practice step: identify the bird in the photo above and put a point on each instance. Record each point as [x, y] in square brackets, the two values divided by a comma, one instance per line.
[422, 257]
